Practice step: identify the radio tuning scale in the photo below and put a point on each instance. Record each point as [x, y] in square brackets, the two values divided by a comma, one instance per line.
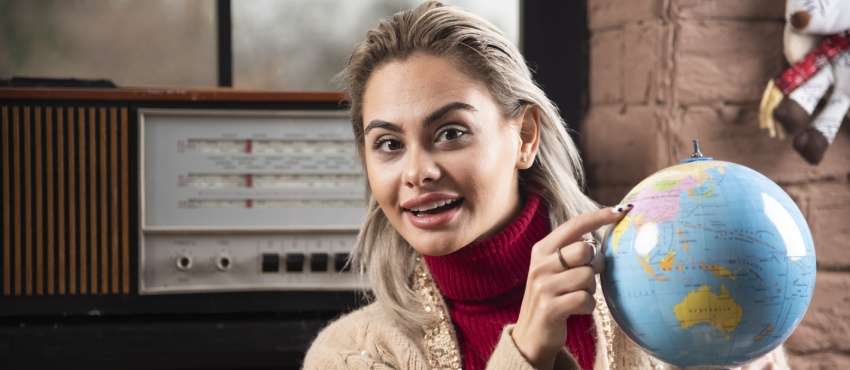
[247, 200]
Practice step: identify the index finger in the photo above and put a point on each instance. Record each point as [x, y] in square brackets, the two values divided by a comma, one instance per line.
[575, 228]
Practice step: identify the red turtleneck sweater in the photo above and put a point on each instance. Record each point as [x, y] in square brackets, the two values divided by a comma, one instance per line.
[483, 285]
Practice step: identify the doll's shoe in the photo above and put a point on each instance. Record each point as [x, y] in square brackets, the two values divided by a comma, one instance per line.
[792, 116]
[811, 144]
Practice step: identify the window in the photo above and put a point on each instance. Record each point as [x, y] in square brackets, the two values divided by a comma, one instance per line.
[302, 44]
[296, 45]
[131, 42]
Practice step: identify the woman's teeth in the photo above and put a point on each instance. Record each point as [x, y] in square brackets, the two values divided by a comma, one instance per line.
[433, 206]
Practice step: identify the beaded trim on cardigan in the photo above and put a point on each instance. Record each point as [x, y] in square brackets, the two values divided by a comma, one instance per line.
[607, 329]
[441, 347]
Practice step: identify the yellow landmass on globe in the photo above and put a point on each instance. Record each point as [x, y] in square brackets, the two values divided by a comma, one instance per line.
[667, 262]
[680, 233]
[706, 194]
[647, 268]
[619, 230]
[702, 306]
[717, 270]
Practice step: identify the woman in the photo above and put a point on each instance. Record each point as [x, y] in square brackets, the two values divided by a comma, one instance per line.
[476, 241]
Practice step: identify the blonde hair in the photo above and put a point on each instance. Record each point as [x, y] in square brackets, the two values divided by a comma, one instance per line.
[480, 49]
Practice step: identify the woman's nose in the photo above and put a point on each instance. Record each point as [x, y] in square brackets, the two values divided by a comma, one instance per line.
[420, 168]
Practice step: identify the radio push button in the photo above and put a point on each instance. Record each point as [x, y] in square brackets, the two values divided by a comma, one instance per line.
[341, 262]
[295, 262]
[318, 262]
[270, 262]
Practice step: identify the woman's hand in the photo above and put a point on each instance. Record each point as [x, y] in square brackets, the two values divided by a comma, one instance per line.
[554, 292]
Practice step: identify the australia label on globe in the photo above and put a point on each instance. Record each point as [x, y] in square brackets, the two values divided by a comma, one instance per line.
[714, 265]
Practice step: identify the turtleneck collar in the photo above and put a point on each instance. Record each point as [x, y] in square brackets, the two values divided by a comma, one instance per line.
[488, 268]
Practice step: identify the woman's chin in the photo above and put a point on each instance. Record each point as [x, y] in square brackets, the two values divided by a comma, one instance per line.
[435, 247]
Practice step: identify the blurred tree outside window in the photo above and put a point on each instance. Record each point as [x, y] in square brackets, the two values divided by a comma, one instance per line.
[294, 45]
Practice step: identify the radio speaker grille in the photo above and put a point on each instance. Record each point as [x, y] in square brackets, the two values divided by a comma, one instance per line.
[65, 200]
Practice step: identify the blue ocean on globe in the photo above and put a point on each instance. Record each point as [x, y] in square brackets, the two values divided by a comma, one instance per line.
[714, 266]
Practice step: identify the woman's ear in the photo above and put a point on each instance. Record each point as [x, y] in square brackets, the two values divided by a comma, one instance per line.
[529, 134]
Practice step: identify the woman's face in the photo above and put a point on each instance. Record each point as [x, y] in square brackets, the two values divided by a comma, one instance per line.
[441, 158]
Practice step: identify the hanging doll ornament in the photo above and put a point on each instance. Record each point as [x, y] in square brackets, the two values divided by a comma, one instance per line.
[817, 45]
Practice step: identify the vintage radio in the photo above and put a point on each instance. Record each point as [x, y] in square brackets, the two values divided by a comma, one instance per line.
[173, 229]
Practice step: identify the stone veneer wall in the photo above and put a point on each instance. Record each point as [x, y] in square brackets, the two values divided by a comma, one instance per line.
[665, 71]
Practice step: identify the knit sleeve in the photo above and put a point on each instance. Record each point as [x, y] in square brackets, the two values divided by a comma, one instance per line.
[362, 340]
[335, 349]
[319, 358]
[331, 352]
[507, 356]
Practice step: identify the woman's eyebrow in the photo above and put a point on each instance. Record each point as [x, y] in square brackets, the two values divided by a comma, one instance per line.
[376, 123]
[444, 110]
[429, 120]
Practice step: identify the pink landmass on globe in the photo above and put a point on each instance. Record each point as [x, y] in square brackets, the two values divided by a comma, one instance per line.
[659, 206]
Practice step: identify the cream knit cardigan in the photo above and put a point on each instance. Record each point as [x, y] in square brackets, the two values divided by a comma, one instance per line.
[367, 339]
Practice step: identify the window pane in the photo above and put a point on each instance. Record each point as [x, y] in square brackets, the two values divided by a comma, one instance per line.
[302, 44]
[131, 42]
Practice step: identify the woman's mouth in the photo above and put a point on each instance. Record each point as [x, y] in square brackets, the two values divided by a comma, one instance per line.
[435, 214]
[435, 207]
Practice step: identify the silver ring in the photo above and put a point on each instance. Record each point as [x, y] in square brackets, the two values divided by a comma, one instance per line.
[594, 245]
[561, 259]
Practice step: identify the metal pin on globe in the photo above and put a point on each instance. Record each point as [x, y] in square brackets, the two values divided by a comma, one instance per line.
[696, 153]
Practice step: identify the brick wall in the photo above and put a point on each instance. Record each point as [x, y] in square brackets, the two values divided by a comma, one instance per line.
[665, 71]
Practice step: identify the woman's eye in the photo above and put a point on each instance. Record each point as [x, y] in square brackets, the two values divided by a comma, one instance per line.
[450, 133]
[388, 145]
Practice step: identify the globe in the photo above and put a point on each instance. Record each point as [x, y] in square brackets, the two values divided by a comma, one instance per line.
[714, 266]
